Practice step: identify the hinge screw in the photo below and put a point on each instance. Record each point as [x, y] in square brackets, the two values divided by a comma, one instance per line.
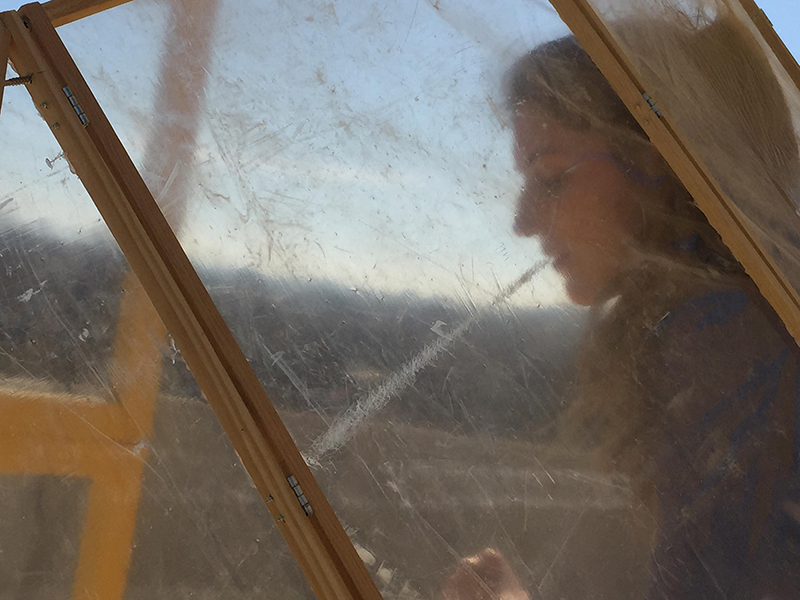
[56, 126]
[281, 518]
[21, 80]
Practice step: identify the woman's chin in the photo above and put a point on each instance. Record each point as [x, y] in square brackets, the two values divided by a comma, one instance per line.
[579, 290]
[579, 294]
[585, 281]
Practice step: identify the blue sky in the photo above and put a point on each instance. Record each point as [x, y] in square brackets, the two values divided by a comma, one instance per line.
[784, 14]
[371, 151]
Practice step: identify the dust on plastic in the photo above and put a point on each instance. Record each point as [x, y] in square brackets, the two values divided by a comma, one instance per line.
[715, 77]
[515, 355]
[116, 480]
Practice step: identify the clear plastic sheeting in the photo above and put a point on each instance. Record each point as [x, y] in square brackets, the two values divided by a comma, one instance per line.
[703, 61]
[40, 535]
[519, 361]
[116, 480]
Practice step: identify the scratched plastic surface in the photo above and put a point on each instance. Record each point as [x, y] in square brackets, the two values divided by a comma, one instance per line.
[705, 55]
[518, 374]
[115, 478]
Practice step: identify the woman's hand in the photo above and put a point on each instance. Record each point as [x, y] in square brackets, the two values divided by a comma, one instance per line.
[484, 576]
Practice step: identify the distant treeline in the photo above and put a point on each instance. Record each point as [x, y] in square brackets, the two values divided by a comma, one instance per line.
[314, 345]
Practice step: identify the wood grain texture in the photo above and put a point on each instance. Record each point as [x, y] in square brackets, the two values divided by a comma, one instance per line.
[319, 543]
[61, 12]
[722, 213]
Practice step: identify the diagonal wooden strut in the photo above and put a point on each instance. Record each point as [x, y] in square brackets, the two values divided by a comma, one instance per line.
[318, 541]
[62, 12]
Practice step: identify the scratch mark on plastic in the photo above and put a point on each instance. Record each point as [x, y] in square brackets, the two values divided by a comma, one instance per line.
[30, 293]
[344, 428]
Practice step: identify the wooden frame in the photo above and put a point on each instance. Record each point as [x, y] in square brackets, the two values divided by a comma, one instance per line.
[105, 442]
[318, 541]
[593, 35]
[108, 442]
[723, 214]
[62, 12]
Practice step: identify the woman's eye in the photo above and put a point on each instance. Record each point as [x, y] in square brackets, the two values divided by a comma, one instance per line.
[552, 184]
[551, 172]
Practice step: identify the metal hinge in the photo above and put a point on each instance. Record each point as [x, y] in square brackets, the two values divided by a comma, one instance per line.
[75, 106]
[652, 104]
[300, 496]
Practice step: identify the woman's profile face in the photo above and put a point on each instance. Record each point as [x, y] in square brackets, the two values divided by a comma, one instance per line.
[577, 200]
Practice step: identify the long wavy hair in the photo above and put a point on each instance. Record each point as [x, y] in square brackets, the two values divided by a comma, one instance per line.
[677, 252]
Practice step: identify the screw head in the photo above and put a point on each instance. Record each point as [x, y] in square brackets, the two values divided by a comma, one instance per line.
[56, 126]
[281, 518]
[44, 105]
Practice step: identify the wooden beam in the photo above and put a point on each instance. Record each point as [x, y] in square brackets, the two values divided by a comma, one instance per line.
[65, 418]
[61, 12]
[721, 211]
[109, 528]
[318, 541]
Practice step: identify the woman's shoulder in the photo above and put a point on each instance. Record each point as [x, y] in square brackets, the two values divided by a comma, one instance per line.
[726, 324]
[727, 388]
[724, 373]
[720, 368]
